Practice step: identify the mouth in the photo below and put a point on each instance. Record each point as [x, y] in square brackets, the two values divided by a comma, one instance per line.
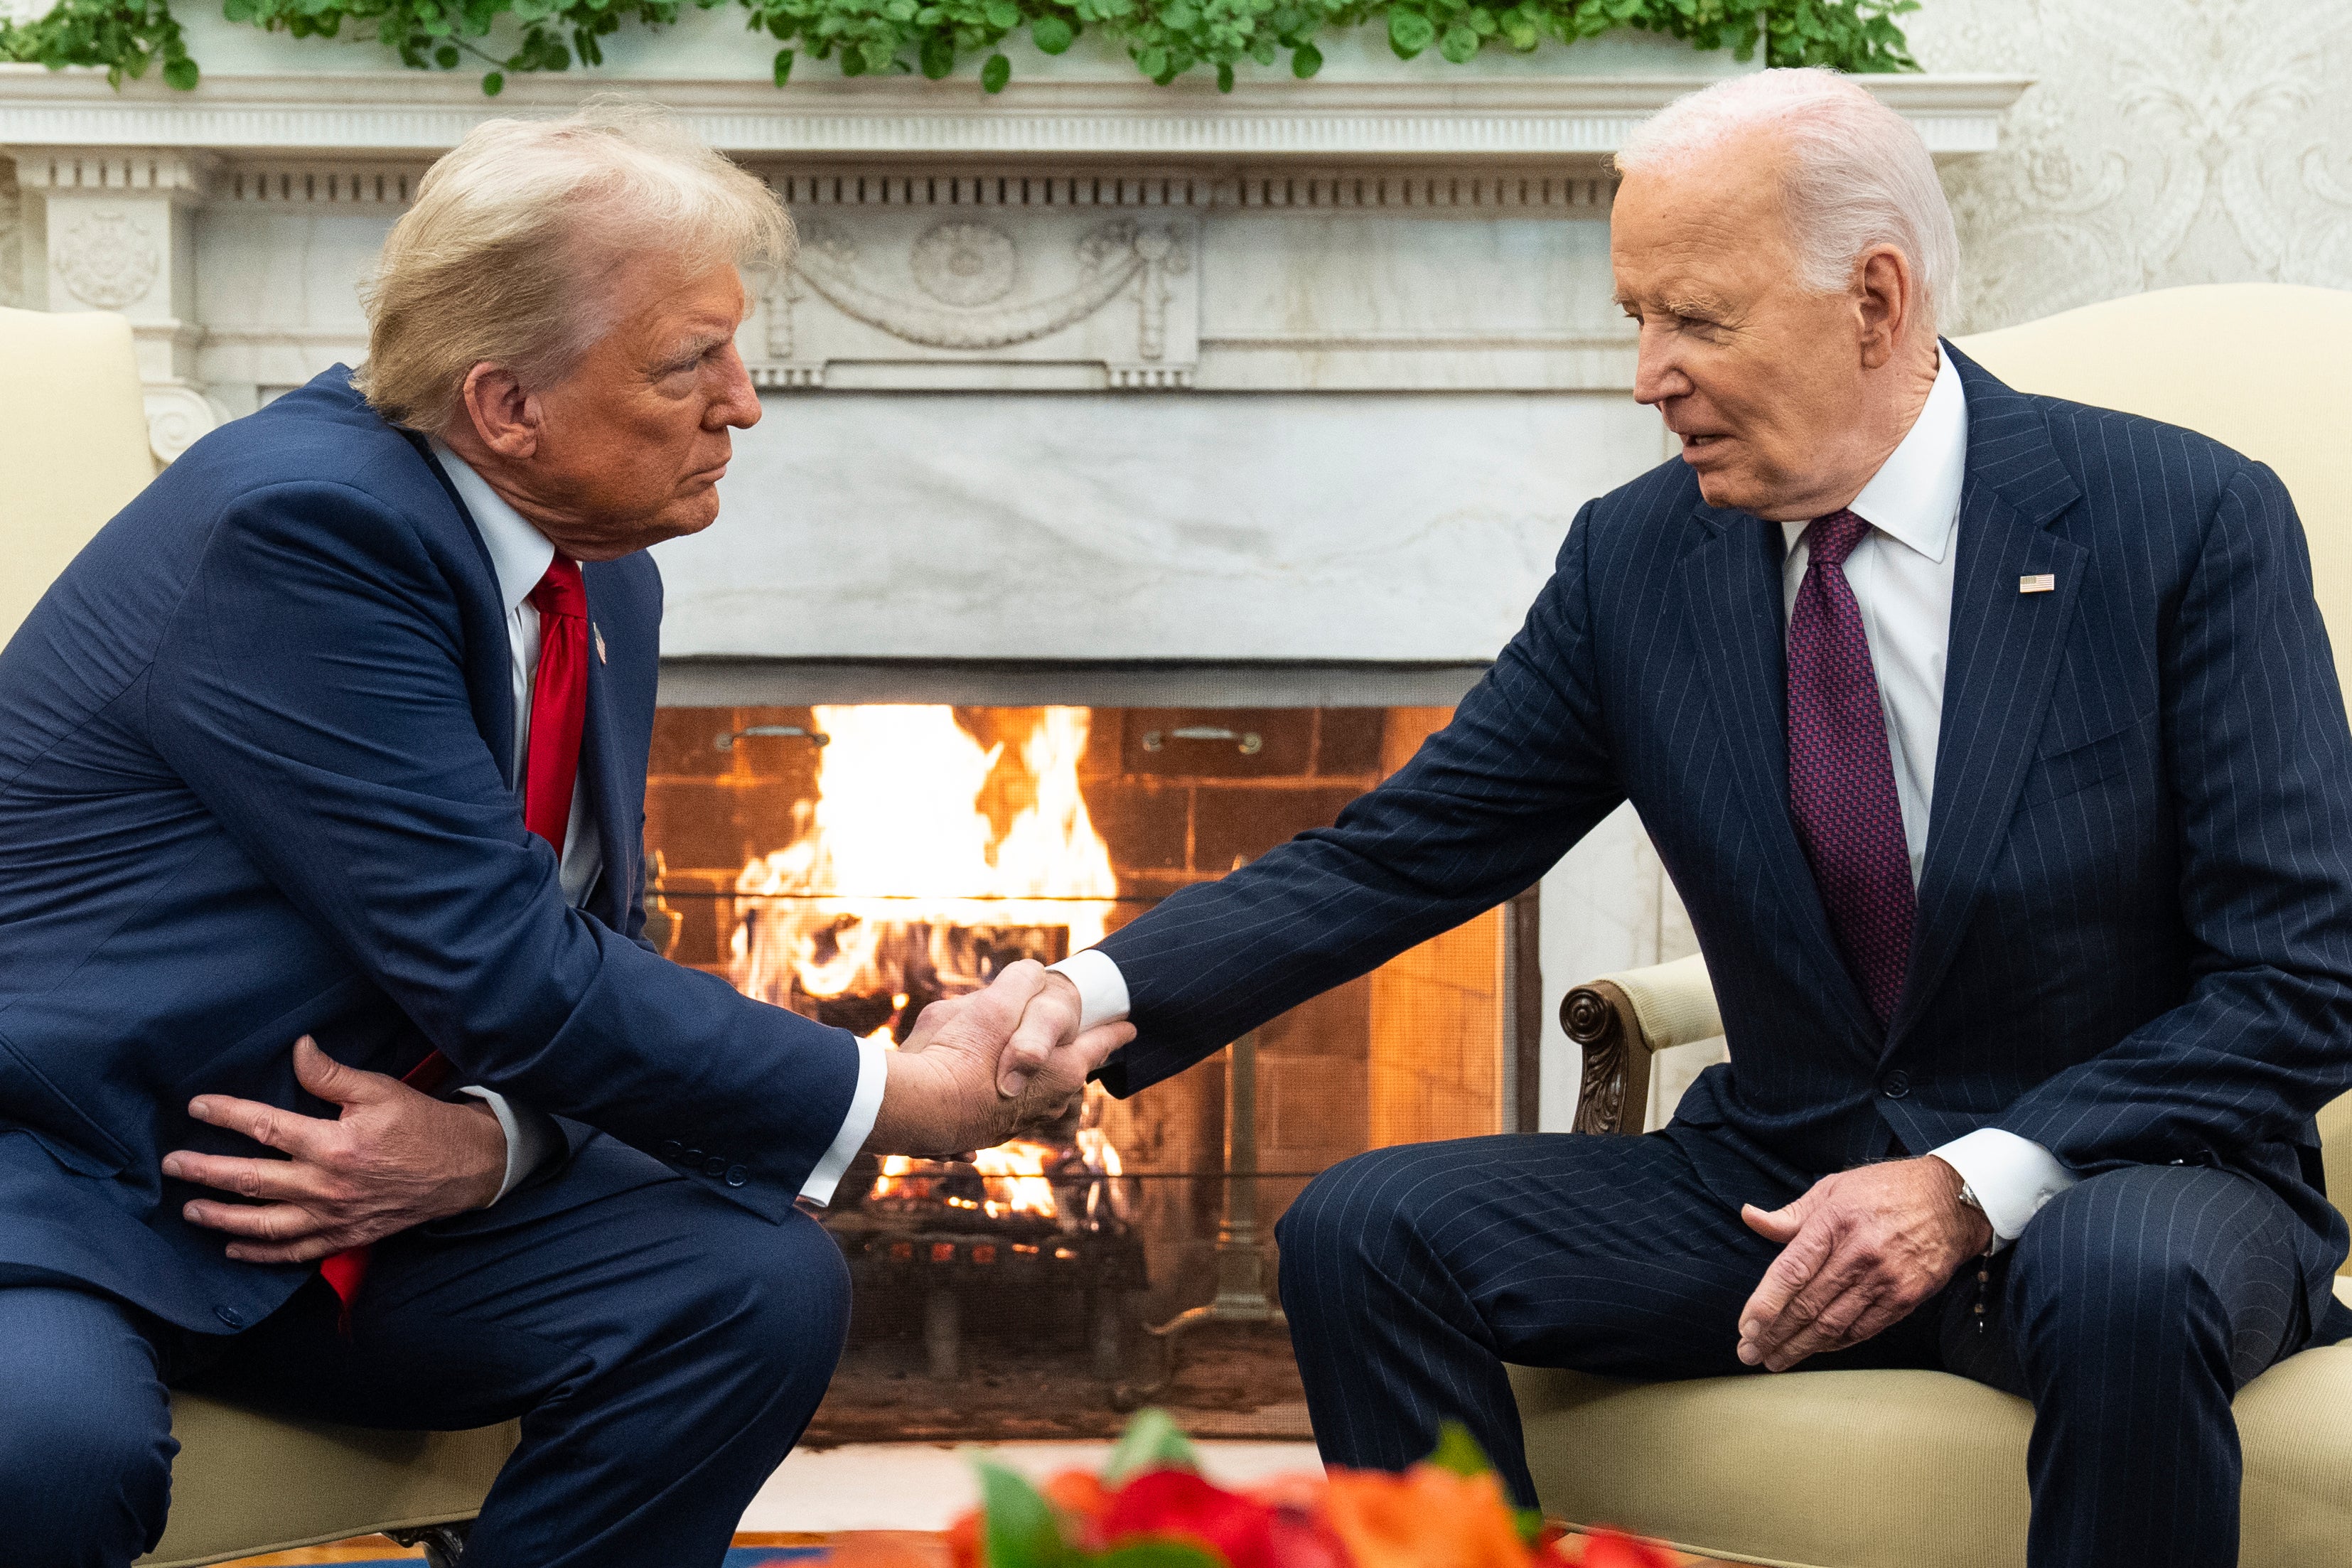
[1696, 447]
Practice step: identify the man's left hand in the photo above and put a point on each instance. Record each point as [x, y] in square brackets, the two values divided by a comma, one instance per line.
[395, 1158]
[1860, 1250]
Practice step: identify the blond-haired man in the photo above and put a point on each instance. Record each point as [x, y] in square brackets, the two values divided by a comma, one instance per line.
[340, 731]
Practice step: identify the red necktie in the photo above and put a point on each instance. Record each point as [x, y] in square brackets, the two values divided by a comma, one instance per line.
[1840, 778]
[559, 710]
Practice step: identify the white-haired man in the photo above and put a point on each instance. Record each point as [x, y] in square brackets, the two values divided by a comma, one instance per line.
[1995, 747]
[340, 731]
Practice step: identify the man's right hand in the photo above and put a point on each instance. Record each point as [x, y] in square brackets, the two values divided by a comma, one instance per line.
[951, 1091]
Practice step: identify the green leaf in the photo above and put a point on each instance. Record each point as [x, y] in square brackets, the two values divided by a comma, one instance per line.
[784, 67]
[1459, 43]
[1459, 1452]
[938, 56]
[995, 74]
[180, 74]
[1152, 1440]
[446, 56]
[1020, 1529]
[1305, 61]
[1224, 77]
[1410, 32]
[1159, 1553]
[1052, 33]
[494, 83]
[1002, 15]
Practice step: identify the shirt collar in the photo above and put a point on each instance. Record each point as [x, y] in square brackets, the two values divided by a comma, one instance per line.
[519, 554]
[1915, 497]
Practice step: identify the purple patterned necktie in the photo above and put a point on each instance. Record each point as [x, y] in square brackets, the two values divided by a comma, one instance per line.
[1841, 779]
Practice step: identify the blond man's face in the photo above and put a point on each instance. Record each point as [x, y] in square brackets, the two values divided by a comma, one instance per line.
[634, 441]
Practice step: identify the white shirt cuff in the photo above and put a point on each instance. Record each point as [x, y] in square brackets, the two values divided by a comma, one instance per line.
[1102, 989]
[532, 1136]
[864, 1104]
[2013, 1177]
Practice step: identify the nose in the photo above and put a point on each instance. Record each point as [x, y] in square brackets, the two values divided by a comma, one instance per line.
[1657, 370]
[737, 404]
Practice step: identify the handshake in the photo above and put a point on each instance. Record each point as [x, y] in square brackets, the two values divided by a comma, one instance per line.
[980, 1067]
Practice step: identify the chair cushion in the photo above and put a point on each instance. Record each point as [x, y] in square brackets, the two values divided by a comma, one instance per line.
[246, 1484]
[1894, 1470]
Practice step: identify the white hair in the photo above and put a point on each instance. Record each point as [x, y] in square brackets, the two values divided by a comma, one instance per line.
[1857, 174]
[510, 252]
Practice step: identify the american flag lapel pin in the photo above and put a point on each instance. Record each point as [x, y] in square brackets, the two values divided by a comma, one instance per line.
[599, 633]
[2032, 582]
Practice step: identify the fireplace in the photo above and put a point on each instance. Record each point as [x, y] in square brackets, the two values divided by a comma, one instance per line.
[856, 861]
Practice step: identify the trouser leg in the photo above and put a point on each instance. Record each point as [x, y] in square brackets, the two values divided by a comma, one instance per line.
[86, 1442]
[2137, 1304]
[1412, 1275]
[664, 1348]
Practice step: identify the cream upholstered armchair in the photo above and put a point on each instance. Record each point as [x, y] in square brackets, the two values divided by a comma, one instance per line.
[1924, 1469]
[73, 448]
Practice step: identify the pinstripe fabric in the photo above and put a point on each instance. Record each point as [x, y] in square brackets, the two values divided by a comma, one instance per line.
[2130, 1313]
[2135, 918]
[2133, 946]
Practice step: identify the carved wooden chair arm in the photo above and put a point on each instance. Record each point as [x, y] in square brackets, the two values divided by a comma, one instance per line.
[1620, 1020]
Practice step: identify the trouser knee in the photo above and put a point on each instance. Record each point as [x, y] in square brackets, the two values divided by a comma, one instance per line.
[80, 1487]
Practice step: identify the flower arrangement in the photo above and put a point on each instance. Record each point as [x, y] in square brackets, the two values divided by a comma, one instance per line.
[1151, 1508]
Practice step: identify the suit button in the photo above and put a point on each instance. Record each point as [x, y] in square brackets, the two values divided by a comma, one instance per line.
[714, 1166]
[736, 1175]
[695, 1156]
[673, 1150]
[1895, 1085]
[229, 1315]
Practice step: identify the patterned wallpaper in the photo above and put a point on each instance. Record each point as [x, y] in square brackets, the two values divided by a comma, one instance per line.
[2166, 141]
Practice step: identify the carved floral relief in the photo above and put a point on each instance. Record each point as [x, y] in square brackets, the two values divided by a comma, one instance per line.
[2166, 141]
[108, 259]
[1026, 288]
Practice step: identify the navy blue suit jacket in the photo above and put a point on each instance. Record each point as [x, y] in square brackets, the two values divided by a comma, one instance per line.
[254, 781]
[2134, 922]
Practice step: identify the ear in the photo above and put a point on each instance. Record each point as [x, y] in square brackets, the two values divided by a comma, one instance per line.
[1885, 300]
[504, 416]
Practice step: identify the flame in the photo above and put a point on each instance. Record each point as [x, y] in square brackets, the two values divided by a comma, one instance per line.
[895, 886]
[895, 864]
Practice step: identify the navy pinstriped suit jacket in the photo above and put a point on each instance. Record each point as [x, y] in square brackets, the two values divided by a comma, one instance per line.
[2134, 930]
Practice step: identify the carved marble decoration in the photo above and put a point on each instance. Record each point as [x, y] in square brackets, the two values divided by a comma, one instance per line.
[107, 258]
[966, 264]
[1039, 287]
[2167, 142]
[12, 238]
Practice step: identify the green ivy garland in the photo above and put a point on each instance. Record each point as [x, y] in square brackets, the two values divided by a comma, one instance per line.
[1165, 38]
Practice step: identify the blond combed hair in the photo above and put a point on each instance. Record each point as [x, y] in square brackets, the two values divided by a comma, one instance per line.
[1857, 177]
[508, 253]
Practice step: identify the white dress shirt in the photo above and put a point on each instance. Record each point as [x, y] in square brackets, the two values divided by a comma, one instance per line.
[520, 557]
[1902, 574]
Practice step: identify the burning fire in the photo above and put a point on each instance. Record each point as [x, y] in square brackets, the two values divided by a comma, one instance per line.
[894, 866]
[897, 890]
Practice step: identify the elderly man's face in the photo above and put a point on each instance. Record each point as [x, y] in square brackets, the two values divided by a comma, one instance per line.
[1765, 382]
[628, 448]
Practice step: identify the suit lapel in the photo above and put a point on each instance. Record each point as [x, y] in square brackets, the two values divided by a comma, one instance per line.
[600, 763]
[1731, 588]
[2002, 664]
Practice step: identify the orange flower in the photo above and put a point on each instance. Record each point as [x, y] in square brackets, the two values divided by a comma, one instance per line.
[1606, 1548]
[1426, 1518]
[1080, 1495]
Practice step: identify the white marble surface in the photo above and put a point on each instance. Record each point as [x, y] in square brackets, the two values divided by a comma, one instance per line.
[1111, 527]
[925, 1485]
